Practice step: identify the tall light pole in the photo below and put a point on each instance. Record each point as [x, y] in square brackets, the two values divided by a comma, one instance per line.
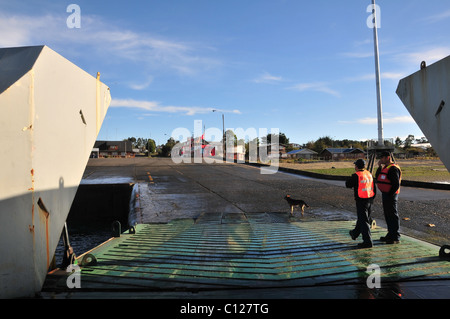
[377, 75]
[223, 131]
[378, 83]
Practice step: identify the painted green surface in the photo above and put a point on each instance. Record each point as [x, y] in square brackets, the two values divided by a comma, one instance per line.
[188, 255]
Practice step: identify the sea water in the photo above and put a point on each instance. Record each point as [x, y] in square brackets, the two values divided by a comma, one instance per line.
[82, 241]
[94, 209]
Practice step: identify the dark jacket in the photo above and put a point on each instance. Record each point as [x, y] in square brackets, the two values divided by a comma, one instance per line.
[394, 176]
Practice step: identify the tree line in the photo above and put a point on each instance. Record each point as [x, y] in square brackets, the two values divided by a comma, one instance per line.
[406, 145]
[322, 143]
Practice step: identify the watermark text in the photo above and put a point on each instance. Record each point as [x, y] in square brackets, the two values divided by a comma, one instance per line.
[74, 19]
[374, 19]
[215, 146]
[74, 279]
[374, 279]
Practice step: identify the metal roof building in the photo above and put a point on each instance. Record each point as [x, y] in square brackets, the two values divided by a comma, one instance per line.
[304, 153]
[342, 153]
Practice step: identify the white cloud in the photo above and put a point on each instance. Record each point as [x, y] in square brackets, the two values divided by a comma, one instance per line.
[386, 120]
[145, 105]
[18, 30]
[315, 86]
[268, 78]
[157, 107]
[358, 55]
[99, 37]
[141, 85]
[438, 17]
[405, 56]
[428, 55]
[152, 51]
[371, 76]
[392, 75]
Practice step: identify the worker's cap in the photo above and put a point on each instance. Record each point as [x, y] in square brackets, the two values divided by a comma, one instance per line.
[360, 163]
[384, 153]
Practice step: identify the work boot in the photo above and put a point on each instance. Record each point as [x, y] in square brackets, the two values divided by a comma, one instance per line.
[392, 241]
[365, 245]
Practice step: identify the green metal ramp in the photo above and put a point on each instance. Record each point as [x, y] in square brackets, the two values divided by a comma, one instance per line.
[203, 255]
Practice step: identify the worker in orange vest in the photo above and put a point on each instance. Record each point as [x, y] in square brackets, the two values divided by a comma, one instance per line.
[364, 190]
[388, 178]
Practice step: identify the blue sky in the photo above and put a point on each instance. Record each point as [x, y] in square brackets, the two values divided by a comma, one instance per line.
[304, 67]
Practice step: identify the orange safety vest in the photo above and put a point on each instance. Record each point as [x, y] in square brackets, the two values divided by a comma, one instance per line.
[383, 183]
[365, 184]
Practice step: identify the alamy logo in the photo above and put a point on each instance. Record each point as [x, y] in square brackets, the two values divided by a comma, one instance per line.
[211, 146]
[74, 19]
[74, 279]
[374, 20]
[374, 279]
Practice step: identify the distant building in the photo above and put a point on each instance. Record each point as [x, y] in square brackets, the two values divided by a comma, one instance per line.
[95, 153]
[399, 153]
[336, 154]
[423, 146]
[303, 153]
[197, 147]
[273, 152]
[113, 149]
[237, 153]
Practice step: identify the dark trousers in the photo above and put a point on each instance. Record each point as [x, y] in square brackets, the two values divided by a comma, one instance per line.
[391, 215]
[363, 210]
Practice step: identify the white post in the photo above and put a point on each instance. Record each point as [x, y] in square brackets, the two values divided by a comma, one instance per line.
[377, 73]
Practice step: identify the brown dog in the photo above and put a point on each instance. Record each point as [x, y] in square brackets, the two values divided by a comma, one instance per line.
[295, 203]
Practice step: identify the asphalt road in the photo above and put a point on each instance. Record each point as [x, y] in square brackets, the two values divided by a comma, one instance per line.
[225, 191]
